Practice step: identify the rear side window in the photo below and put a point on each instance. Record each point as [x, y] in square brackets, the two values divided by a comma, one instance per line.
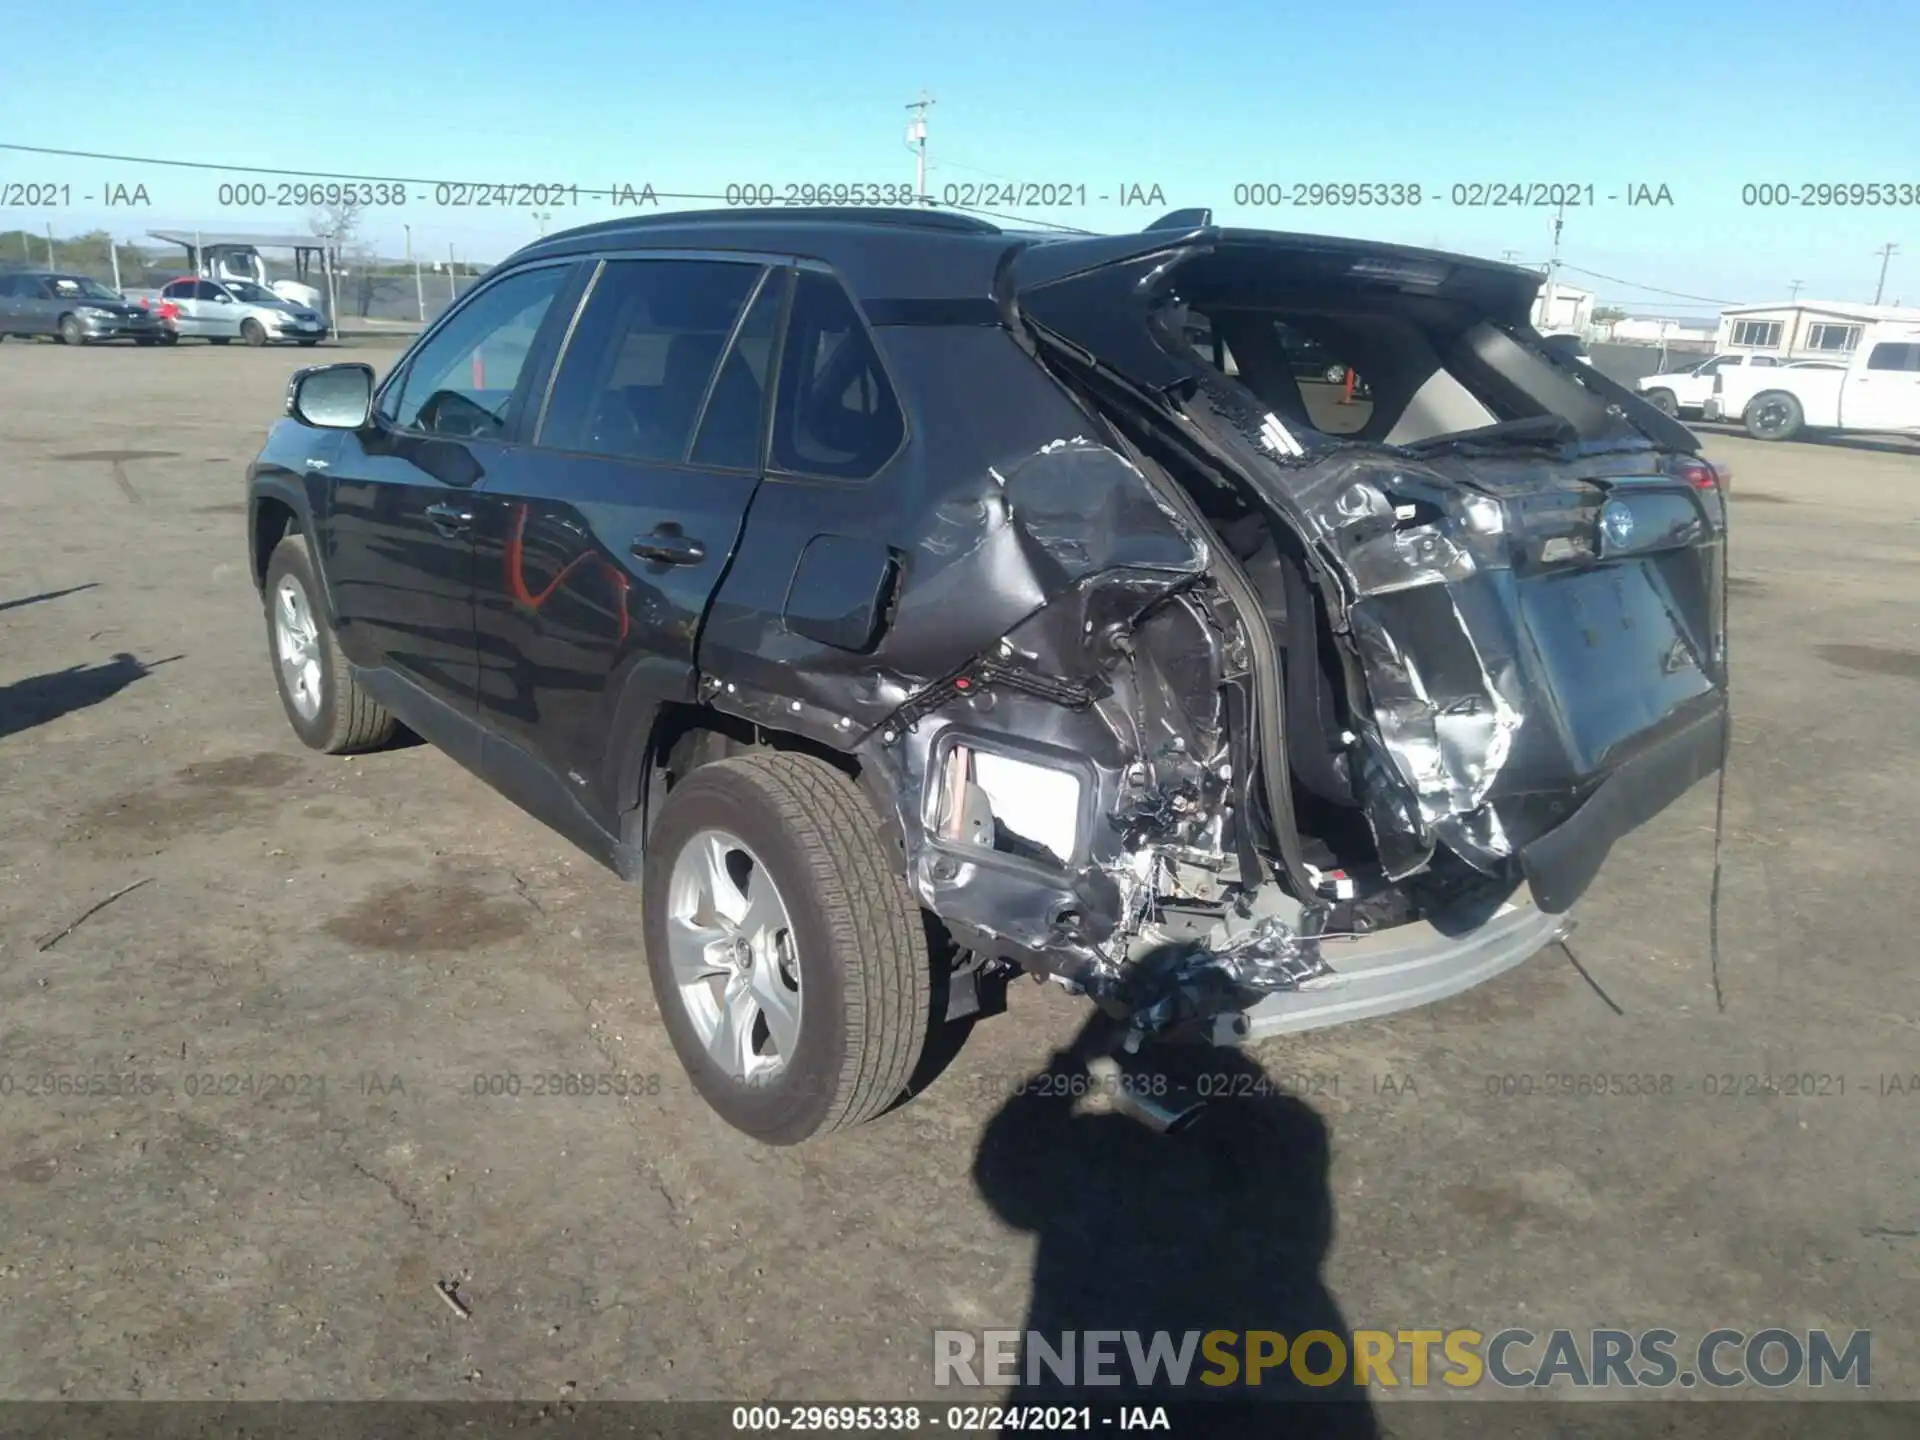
[836, 415]
[1894, 357]
[643, 355]
[462, 380]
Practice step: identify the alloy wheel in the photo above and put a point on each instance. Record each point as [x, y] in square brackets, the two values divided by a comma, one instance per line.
[731, 947]
[296, 638]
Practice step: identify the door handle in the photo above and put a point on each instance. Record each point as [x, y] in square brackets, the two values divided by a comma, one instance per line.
[449, 519]
[668, 546]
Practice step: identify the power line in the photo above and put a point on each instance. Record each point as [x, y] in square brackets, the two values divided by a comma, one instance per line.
[1654, 289]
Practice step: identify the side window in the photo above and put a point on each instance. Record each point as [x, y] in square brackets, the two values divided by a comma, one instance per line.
[730, 432]
[1761, 362]
[207, 290]
[178, 290]
[642, 356]
[1894, 357]
[835, 414]
[462, 380]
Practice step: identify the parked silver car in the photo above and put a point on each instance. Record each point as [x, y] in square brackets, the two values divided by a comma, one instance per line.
[219, 311]
[74, 309]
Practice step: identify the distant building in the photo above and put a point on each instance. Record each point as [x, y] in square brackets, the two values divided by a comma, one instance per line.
[1663, 330]
[1802, 329]
[1570, 312]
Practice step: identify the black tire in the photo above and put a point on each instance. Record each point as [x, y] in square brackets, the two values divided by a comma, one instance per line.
[860, 943]
[219, 339]
[170, 338]
[71, 330]
[145, 340]
[348, 719]
[253, 332]
[308, 344]
[1665, 401]
[1773, 415]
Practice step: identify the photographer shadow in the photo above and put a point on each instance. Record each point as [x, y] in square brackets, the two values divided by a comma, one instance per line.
[1223, 1225]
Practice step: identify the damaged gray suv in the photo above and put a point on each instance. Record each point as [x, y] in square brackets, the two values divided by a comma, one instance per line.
[911, 603]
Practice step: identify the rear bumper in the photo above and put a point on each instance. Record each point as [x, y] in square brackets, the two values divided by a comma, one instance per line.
[1396, 970]
[1419, 964]
[1563, 862]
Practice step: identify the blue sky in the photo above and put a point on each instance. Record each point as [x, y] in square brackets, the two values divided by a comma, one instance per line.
[1699, 97]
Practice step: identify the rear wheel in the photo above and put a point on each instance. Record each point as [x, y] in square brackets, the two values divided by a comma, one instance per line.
[1664, 401]
[789, 961]
[325, 705]
[71, 330]
[1774, 415]
[253, 332]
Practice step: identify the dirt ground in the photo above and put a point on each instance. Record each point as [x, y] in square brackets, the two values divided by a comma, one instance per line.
[383, 934]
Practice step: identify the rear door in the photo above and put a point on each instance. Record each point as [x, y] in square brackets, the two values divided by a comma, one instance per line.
[595, 563]
[399, 534]
[40, 308]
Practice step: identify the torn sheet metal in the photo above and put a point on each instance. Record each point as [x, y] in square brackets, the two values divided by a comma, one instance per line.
[1178, 985]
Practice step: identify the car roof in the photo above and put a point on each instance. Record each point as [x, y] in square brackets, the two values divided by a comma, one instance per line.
[913, 254]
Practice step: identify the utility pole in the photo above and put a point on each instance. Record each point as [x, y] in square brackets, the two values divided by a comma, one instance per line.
[917, 142]
[413, 264]
[541, 217]
[1508, 255]
[453, 285]
[1793, 290]
[1553, 269]
[52, 264]
[1886, 253]
[113, 254]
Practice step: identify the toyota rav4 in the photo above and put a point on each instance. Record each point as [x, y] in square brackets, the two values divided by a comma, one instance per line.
[908, 603]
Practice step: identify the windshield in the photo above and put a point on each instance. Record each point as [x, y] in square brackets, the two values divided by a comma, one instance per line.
[80, 286]
[251, 293]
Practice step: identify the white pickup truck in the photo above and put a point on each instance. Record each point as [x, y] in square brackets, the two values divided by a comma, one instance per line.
[1877, 390]
[1685, 391]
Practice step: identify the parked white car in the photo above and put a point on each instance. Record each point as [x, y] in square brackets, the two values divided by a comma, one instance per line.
[1877, 390]
[1685, 391]
[219, 311]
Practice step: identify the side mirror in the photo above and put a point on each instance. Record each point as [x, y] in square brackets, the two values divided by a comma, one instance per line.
[332, 397]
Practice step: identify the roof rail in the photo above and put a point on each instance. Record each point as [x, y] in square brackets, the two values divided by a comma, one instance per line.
[1183, 220]
[905, 217]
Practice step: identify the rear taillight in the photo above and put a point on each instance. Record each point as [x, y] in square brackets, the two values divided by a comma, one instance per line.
[1701, 474]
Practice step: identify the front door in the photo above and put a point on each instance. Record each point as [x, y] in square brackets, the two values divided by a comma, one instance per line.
[594, 565]
[399, 533]
[1885, 395]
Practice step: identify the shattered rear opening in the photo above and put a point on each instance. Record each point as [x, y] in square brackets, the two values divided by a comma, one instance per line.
[1369, 614]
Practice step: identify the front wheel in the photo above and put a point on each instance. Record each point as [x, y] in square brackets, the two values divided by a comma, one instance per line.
[789, 960]
[71, 330]
[324, 703]
[1664, 401]
[253, 332]
[1774, 415]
